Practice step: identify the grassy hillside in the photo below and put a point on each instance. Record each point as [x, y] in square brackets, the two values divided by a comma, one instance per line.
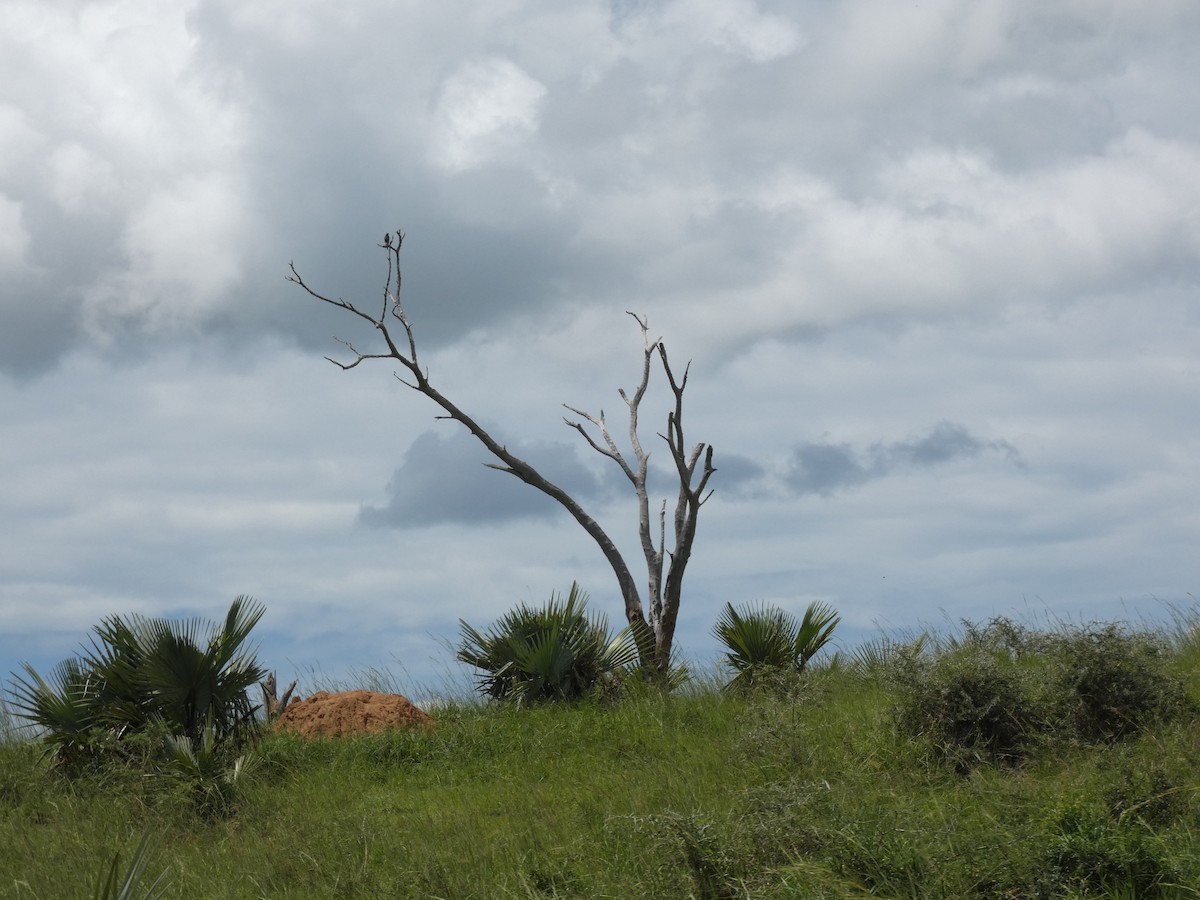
[862, 778]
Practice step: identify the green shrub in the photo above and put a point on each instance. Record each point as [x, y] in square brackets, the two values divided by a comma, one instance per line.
[711, 867]
[973, 707]
[991, 694]
[778, 821]
[209, 777]
[765, 642]
[557, 652]
[1149, 794]
[885, 660]
[1115, 684]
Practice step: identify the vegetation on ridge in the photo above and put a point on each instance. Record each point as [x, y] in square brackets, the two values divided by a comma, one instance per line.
[1002, 762]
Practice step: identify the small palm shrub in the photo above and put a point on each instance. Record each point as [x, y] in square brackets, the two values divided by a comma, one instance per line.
[885, 660]
[209, 779]
[765, 642]
[556, 652]
[144, 675]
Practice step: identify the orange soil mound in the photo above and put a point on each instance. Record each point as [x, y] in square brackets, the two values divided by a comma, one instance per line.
[350, 712]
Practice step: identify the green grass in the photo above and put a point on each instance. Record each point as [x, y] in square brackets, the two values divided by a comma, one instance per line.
[815, 791]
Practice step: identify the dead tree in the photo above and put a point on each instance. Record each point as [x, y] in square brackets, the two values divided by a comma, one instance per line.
[654, 633]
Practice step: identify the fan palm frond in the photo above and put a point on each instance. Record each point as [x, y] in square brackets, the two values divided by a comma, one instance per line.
[554, 652]
[765, 639]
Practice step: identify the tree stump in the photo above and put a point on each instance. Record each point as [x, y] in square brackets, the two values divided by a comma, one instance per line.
[272, 705]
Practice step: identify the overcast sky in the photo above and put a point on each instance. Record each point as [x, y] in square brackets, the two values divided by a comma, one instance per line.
[935, 265]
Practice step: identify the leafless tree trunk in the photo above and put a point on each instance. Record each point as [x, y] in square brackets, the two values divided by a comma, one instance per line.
[654, 634]
[273, 707]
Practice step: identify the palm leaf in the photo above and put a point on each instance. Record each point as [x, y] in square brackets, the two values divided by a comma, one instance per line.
[762, 636]
[762, 639]
[815, 630]
[111, 886]
[198, 678]
[64, 705]
[621, 652]
[136, 671]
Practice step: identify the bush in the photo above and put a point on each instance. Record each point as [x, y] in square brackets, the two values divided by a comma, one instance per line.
[973, 707]
[1148, 793]
[989, 695]
[1115, 684]
[557, 652]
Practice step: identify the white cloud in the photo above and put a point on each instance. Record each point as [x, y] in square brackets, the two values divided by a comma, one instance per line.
[486, 107]
[302, 25]
[740, 26]
[183, 247]
[80, 180]
[944, 229]
[19, 139]
[1060, 230]
[14, 236]
[879, 47]
[139, 153]
[671, 32]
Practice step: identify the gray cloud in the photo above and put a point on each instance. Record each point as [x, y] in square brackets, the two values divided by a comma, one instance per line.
[945, 442]
[826, 468]
[663, 155]
[444, 479]
[737, 475]
[853, 215]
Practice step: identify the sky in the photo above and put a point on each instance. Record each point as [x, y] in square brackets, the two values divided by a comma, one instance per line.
[935, 266]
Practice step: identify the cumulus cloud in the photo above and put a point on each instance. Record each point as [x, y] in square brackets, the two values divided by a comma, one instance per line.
[80, 180]
[940, 231]
[122, 159]
[663, 151]
[183, 247]
[881, 47]
[487, 106]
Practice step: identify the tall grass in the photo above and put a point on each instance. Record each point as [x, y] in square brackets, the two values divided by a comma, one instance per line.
[9, 728]
[823, 791]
